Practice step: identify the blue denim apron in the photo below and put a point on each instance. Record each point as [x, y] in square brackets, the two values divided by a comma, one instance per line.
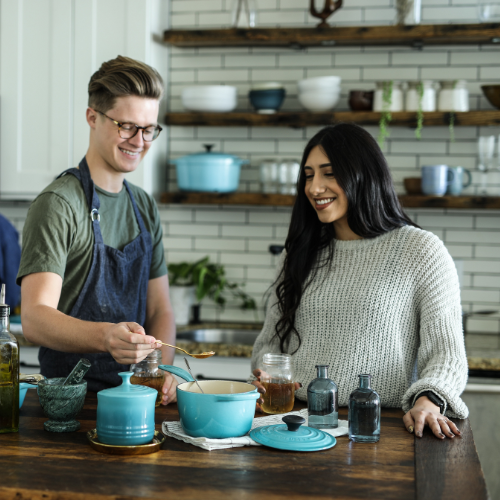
[115, 291]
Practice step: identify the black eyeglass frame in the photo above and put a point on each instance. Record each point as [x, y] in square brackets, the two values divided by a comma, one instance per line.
[137, 127]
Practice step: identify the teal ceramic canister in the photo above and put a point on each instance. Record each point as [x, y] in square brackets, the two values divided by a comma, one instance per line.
[225, 410]
[126, 414]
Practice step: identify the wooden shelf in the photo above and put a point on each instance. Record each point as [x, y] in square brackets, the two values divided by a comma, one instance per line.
[417, 36]
[408, 201]
[306, 119]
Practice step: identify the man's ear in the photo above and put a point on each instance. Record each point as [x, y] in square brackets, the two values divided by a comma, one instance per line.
[91, 116]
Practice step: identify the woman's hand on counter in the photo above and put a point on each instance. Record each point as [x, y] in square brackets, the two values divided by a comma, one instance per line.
[425, 412]
[260, 388]
[169, 389]
[128, 342]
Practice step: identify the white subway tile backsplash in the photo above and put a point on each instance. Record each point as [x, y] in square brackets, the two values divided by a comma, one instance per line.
[222, 244]
[470, 295]
[487, 252]
[487, 281]
[193, 229]
[245, 230]
[245, 259]
[473, 236]
[218, 216]
[446, 221]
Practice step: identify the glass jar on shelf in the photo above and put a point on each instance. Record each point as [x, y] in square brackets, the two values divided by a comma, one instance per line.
[147, 373]
[277, 379]
[269, 176]
[388, 96]
[288, 174]
[408, 12]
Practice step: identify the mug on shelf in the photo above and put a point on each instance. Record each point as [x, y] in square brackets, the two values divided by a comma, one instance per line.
[457, 184]
[436, 179]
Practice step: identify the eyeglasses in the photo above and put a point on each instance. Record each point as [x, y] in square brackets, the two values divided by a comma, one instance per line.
[129, 130]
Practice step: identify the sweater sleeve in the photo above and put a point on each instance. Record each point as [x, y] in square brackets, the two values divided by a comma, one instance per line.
[266, 342]
[441, 359]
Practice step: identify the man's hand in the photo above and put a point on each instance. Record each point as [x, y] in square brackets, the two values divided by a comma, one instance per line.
[425, 412]
[169, 389]
[128, 343]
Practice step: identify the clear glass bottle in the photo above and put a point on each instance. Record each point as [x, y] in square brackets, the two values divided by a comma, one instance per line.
[322, 401]
[277, 379]
[9, 372]
[364, 413]
[147, 373]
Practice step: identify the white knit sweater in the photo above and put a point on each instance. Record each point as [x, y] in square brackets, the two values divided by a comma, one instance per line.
[387, 306]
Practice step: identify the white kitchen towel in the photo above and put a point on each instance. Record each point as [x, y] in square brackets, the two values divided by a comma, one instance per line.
[175, 430]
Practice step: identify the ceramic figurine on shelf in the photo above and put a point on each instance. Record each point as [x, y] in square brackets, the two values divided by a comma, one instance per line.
[364, 413]
[329, 8]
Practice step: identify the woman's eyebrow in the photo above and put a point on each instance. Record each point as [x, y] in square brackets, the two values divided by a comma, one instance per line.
[323, 165]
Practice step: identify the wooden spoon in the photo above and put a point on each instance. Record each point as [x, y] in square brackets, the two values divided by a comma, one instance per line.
[202, 355]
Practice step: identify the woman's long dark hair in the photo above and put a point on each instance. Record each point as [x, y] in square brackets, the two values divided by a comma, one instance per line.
[361, 170]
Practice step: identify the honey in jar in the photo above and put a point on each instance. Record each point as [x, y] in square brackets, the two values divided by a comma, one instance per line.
[277, 379]
[147, 373]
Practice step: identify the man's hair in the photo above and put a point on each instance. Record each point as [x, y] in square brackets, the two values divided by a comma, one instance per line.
[122, 77]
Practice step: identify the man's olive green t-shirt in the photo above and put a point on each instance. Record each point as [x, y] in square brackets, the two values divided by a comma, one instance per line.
[58, 236]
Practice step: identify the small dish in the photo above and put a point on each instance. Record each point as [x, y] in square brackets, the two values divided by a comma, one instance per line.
[141, 449]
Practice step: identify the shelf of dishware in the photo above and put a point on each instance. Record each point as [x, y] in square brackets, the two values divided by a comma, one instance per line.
[286, 200]
[301, 119]
[412, 35]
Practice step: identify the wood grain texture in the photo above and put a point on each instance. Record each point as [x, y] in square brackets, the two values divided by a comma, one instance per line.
[300, 119]
[187, 198]
[418, 35]
[449, 470]
[39, 464]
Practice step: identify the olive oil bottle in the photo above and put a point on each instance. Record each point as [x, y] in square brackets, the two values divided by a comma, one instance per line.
[9, 372]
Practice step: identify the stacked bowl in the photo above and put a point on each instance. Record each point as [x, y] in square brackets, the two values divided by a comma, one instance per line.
[210, 98]
[321, 93]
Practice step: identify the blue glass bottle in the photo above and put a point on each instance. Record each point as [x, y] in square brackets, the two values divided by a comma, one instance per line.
[322, 401]
[364, 413]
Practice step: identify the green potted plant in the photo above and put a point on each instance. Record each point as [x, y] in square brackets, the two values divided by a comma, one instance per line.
[200, 279]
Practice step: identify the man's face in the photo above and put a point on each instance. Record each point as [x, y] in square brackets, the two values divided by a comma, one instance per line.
[123, 155]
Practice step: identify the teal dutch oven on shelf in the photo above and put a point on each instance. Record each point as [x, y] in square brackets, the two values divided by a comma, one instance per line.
[225, 410]
[209, 172]
[126, 414]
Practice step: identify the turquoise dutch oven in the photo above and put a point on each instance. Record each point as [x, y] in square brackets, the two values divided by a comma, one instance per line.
[225, 410]
[126, 414]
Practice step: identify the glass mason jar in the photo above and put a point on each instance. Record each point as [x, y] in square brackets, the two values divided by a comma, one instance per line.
[277, 379]
[147, 373]
[269, 176]
[364, 413]
[408, 12]
[288, 174]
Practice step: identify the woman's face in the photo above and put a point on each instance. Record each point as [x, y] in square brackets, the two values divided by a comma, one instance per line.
[325, 195]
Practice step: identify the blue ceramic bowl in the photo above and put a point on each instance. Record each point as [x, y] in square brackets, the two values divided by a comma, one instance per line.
[267, 101]
[225, 410]
[126, 414]
[23, 387]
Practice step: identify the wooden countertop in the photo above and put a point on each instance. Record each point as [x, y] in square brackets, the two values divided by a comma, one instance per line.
[36, 463]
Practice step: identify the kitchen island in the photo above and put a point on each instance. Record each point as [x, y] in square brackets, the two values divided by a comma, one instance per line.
[38, 464]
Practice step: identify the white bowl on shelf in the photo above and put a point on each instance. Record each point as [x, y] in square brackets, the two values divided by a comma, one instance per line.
[319, 82]
[319, 101]
[215, 98]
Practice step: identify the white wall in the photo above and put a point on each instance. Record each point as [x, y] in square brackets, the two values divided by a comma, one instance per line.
[48, 51]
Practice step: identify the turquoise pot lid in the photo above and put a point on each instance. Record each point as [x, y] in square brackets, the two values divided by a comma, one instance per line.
[302, 439]
[128, 390]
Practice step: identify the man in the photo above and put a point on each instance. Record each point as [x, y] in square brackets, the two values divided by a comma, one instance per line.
[93, 275]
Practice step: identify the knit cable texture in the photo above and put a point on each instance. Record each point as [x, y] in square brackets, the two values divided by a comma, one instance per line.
[387, 306]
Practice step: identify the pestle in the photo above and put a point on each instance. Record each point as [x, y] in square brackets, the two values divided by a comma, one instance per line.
[78, 372]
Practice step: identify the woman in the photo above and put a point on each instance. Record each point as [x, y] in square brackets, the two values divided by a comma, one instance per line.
[362, 288]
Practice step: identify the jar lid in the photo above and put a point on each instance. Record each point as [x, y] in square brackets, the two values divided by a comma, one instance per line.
[276, 359]
[302, 439]
[128, 390]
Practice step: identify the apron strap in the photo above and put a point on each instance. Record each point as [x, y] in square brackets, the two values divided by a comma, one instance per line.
[83, 175]
[138, 216]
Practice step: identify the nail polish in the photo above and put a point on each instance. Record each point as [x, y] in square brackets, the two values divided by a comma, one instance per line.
[419, 434]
